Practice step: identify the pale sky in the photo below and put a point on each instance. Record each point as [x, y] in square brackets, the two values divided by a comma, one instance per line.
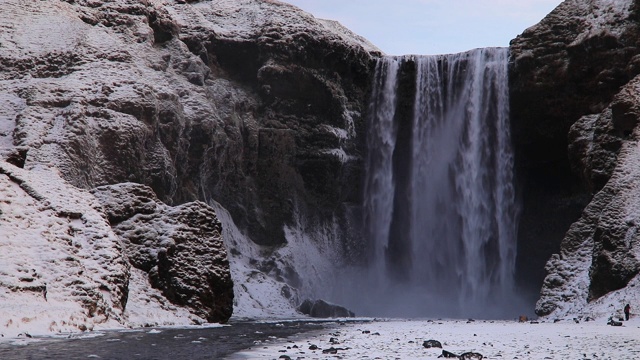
[428, 27]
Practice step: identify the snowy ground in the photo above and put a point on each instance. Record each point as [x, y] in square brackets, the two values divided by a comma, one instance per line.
[403, 339]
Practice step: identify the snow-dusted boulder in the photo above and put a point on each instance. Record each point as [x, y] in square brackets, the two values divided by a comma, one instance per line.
[180, 248]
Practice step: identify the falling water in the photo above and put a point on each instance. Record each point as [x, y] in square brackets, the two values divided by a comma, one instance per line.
[439, 198]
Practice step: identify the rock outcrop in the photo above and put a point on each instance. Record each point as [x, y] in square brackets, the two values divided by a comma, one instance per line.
[179, 247]
[63, 268]
[255, 104]
[322, 309]
[574, 112]
[252, 104]
[67, 257]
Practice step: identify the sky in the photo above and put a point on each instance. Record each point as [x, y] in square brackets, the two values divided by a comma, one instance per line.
[428, 27]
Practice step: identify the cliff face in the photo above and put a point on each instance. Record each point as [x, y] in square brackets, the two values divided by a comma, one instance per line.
[574, 114]
[253, 105]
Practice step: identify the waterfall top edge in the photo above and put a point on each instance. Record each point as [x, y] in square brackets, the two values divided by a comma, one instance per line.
[468, 52]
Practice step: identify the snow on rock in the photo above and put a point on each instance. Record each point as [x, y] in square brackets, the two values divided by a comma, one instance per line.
[574, 108]
[252, 104]
[600, 255]
[403, 339]
[61, 266]
[65, 260]
[179, 247]
[272, 283]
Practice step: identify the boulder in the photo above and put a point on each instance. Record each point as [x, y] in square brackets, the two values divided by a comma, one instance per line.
[179, 247]
[432, 344]
[471, 356]
[323, 309]
[448, 355]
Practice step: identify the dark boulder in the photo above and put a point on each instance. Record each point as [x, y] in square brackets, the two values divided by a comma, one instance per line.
[448, 355]
[432, 344]
[471, 356]
[323, 309]
[179, 247]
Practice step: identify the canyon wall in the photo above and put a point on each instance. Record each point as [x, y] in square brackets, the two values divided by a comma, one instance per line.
[252, 107]
[574, 101]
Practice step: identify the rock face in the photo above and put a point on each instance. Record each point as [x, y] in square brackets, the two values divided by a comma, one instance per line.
[179, 247]
[67, 254]
[251, 104]
[575, 105]
[63, 269]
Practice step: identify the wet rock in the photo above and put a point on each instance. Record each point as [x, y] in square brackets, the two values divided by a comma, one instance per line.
[332, 350]
[323, 309]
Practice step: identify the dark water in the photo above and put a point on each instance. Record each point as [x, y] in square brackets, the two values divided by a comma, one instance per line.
[162, 343]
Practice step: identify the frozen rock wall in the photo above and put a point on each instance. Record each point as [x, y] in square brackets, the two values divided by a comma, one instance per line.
[252, 106]
[574, 91]
[67, 257]
[255, 104]
[61, 266]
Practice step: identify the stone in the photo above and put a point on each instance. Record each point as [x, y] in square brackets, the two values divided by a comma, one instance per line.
[448, 355]
[323, 309]
[471, 356]
[432, 344]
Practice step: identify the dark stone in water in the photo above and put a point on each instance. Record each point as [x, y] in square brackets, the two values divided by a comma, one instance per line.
[432, 344]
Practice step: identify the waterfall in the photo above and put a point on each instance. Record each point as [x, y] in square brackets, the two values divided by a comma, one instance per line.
[439, 203]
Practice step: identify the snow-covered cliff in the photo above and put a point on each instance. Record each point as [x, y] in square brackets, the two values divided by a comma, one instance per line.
[574, 85]
[252, 107]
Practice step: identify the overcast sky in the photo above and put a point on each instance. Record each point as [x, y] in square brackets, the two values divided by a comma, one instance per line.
[400, 27]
